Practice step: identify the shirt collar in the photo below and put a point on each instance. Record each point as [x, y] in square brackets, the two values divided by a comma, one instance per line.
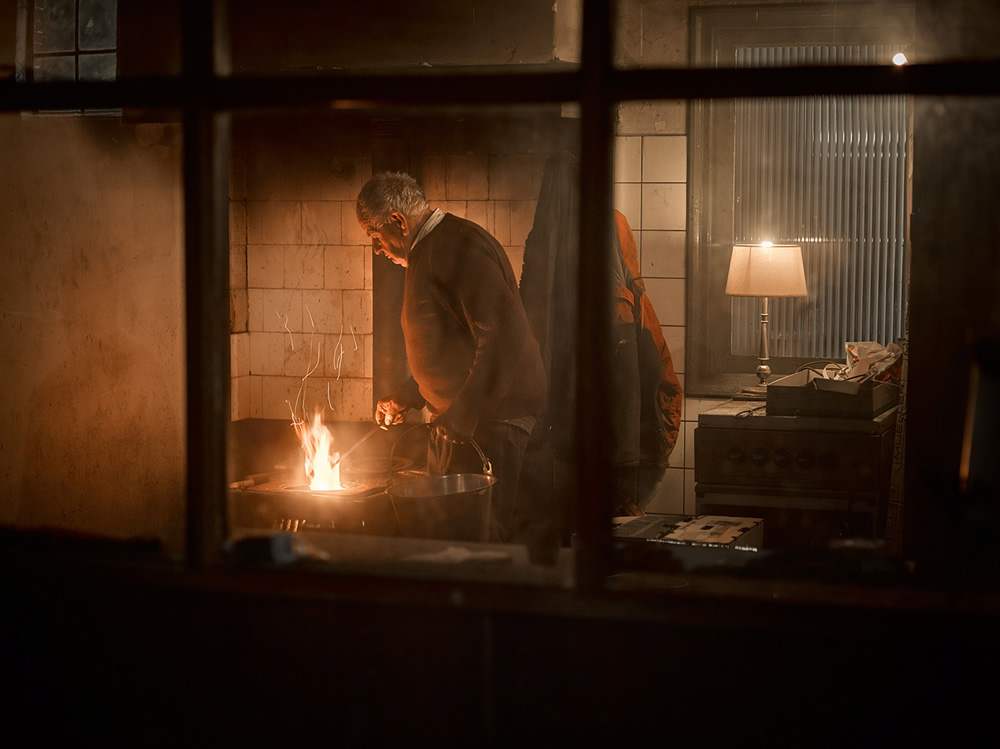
[432, 221]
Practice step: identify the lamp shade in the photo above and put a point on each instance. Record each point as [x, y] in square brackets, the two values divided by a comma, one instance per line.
[767, 270]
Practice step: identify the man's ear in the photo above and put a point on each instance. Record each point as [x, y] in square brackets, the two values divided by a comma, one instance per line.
[399, 219]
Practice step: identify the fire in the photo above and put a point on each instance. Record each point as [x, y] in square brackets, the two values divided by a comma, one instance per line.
[321, 461]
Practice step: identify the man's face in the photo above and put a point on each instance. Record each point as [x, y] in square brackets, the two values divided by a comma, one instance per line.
[389, 240]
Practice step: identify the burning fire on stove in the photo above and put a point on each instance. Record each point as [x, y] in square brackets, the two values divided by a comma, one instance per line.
[322, 468]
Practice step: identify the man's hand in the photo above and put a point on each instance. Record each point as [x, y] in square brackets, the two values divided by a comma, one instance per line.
[443, 433]
[389, 412]
[442, 447]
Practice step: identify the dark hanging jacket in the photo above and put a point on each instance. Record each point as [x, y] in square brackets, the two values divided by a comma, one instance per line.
[646, 394]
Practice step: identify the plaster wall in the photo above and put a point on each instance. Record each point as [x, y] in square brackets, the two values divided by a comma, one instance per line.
[91, 319]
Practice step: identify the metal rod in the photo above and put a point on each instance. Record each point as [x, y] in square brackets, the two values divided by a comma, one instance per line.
[357, 444]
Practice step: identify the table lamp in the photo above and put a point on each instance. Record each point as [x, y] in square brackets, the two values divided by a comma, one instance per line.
[765, 270]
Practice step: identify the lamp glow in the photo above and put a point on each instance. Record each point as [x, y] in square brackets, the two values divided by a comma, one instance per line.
[766, 270]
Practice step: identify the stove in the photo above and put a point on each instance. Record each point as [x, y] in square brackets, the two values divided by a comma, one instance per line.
[810, 477]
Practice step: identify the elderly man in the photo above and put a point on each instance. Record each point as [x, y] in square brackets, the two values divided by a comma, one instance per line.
[474, 361]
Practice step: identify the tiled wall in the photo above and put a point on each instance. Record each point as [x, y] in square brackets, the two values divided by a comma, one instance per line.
[302, 270]
[651, 190]
[302, 290]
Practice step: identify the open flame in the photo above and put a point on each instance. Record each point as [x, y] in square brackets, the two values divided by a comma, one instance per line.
[321, 467]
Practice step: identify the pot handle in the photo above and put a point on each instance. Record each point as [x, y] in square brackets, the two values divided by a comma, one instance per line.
[487, 466]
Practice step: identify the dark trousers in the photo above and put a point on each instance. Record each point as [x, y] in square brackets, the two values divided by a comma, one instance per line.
[503, 445]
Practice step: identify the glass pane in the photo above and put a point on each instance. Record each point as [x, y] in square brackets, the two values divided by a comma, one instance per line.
[98, 24]
[828, 174]
[658, 34]
[93, 399]
[55, 26]
[399, 34]
[98, 67]
[60, 68]
[316, 337]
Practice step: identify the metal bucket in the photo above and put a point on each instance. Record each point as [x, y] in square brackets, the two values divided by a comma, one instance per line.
[455, 506]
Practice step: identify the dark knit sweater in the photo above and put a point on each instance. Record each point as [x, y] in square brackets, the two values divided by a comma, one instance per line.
[470, 349]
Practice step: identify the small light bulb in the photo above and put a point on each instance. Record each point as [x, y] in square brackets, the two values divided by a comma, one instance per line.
[767, 244]
[899, 59]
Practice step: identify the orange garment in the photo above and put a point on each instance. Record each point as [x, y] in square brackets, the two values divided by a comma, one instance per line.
[669, 393]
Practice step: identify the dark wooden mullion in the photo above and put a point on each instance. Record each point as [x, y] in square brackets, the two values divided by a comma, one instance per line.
[206, 285]
[593, 363]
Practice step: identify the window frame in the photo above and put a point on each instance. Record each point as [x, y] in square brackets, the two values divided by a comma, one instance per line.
[25, 57]
[206, 97]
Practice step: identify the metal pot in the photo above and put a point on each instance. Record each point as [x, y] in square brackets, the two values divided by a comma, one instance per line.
[455, 506]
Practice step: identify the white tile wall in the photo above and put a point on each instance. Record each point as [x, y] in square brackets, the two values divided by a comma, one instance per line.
[358, 311]
[239, 360]
[668, 298]
[663, 253]
[628, 201]
[274, 222]
[239, 398]
[664, 206]
[238, 309]
[664, 159]
[281, 310]
[481, 212]
[322, 222]
[628, 159]
[237, 223]
[345, 266]
[322, 311]
[267, 352]
[265, 266]
[341, 178]
[347, 356]
[304, 266]
[467, 177]
[351, 232]
[432, 169]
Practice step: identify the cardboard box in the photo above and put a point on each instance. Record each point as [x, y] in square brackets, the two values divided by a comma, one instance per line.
[716, 531]
[808, 393]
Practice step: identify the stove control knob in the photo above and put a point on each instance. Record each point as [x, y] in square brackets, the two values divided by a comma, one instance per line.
[829, 461]
[782, 457]
[805, 458]
[759, 456]
[736, 454]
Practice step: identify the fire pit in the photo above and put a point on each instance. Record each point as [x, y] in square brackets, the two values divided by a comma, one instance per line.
[284, 501]
[366, 493]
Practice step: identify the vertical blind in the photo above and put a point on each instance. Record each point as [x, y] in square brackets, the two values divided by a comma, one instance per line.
[827, 173]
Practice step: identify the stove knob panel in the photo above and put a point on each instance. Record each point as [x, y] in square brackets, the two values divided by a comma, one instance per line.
[782, 457]
[759, 456]
[805, 458]
[736, 454]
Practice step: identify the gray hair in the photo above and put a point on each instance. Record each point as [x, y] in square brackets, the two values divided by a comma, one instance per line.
[385, 193]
